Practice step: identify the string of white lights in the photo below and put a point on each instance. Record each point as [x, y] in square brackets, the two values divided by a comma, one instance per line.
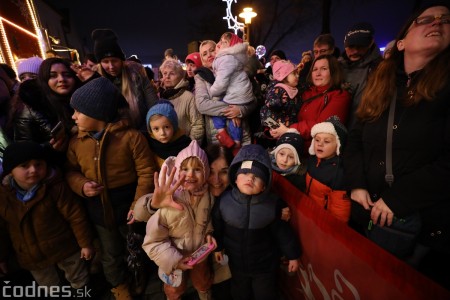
[230, 18]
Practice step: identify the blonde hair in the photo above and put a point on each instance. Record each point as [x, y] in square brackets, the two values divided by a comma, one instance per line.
[206, 42]
[133, 113]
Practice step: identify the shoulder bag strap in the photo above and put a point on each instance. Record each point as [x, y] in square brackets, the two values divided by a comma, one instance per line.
[389, 177]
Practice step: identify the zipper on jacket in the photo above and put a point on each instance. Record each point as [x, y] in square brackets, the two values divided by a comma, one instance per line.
[244, 252]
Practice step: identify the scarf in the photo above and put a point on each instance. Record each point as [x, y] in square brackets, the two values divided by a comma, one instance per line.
[290, 171]
[171, 93]
[24, 195]
[291, 91]
[172, 148]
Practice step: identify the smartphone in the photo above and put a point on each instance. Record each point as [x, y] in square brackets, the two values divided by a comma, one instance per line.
[200, 253]
[271, 123]
[58, 130]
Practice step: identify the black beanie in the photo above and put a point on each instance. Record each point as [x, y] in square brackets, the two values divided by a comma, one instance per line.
[278, 53]
[20, 152]
[256, 168]
[98, 99]
[105, 44]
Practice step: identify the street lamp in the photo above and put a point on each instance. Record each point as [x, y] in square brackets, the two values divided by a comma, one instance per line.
[247, 14]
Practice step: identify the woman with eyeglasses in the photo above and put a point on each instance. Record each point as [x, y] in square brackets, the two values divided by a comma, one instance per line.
[413, 84]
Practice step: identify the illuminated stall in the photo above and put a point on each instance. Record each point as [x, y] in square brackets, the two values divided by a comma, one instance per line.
[21, 35]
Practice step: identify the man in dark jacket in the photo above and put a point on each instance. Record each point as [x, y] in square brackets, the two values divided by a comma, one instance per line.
[247, 224]
[360, 58]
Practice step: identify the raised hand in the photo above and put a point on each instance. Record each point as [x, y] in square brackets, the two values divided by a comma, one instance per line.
[164, 190]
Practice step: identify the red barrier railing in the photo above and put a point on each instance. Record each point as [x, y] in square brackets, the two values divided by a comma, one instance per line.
[339, 263]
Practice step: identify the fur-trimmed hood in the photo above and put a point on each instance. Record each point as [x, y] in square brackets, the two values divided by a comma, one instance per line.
[239, 51]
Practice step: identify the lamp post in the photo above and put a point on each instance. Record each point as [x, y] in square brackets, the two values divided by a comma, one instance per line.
[247, 14]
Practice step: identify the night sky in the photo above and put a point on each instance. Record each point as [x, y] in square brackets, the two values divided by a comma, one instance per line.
[147, 28]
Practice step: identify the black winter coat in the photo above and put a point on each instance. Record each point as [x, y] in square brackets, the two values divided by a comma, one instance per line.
[250, 228]
[421, 161]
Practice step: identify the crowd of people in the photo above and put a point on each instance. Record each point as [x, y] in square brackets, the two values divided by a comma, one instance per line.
[91, 153]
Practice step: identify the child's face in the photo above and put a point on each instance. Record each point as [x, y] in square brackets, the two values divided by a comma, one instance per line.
[86, 123]
[325, 145]
[61, 80]
[285, 159]
[292, 79]
[194, 174]
[249, 184]
[223, 43]
[30, 173]
[161, 128]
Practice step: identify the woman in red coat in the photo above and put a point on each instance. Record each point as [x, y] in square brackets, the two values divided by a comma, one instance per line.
[323, 99]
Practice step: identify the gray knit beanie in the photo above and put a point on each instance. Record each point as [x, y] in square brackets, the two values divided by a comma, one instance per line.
[98, 99]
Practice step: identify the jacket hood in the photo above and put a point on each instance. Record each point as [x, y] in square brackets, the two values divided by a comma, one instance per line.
[252, 152]
[239, 51]
[193, 150]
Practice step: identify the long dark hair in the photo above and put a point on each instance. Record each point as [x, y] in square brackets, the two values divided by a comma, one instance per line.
[215, 151]
[59, 108]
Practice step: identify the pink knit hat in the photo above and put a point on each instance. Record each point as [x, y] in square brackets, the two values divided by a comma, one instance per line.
[281, 69]
[195, 58]
[193, 150]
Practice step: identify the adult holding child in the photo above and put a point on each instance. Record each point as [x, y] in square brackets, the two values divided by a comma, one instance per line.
[323, 99]
[211, 106]
[408, 94]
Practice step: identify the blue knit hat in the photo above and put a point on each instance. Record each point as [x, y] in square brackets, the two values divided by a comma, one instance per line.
[164, 108]
[98, 99]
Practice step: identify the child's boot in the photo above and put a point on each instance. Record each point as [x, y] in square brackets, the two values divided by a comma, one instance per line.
[224, 139]
[236, 148]
[121, 292]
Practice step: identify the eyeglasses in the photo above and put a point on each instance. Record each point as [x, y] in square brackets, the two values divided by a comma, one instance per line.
[443, 19]
[321, 51]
